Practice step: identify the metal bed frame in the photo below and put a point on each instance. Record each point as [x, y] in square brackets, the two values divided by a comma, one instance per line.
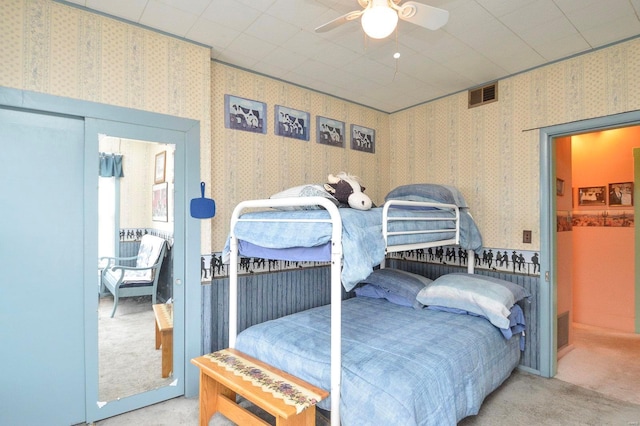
[336, 263]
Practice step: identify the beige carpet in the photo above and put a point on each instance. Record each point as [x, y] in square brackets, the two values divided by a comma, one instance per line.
[524, 399]
[605, 361]
[605, 364]
[128, 360]
[598, 383]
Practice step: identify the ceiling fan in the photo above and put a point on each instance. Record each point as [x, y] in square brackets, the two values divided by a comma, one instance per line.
[380, 17]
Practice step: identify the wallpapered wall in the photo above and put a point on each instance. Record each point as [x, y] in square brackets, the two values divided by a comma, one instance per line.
[492, 152]
[249, 165]
[65, 51]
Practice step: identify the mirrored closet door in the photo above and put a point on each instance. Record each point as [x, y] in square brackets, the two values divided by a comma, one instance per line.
[134, 201]
[136, 312]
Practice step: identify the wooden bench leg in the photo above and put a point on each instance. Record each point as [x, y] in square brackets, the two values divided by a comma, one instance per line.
[167, 352]
[219, 386]
[306, 418]
[210, 390]
[158, 338]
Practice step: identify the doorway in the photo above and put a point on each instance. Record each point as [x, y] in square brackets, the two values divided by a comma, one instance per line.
[595, 240]
[549, 240]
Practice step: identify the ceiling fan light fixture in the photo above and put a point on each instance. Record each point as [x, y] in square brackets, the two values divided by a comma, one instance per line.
[379, 20]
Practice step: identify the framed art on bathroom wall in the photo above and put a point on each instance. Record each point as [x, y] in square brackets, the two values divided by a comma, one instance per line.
[621, 194]
[592, 196]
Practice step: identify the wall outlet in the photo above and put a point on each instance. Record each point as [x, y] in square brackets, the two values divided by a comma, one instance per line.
[526, 237]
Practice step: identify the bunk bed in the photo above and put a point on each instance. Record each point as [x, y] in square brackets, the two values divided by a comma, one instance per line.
[355, 242]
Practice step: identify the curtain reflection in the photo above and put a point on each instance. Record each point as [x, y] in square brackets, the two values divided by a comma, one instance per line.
[110, 165]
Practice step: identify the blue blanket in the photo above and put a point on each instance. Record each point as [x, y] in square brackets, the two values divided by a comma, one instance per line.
[362, 242]
[401, 366]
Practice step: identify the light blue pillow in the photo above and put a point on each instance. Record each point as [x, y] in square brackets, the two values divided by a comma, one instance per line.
[479, 294]
[305, 191]
[375, 292]
[428, 192]
[399, 287]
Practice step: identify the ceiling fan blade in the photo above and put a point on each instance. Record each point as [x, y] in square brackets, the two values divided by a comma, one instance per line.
[426, 16]
[339, 21]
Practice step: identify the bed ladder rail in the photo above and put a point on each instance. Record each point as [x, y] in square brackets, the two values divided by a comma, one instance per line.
[398, 205]
[336, 284]
[414, 246]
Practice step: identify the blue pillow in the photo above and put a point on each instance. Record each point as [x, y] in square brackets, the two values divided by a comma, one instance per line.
[516, 320]
[399, 287]
[428, 192]
[375, 292]
[479, 294]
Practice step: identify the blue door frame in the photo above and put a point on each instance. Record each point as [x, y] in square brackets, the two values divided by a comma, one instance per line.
[185, 133]
[548, 266]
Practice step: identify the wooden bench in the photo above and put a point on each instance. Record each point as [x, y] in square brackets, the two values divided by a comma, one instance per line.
[164, 335]
[228, 372]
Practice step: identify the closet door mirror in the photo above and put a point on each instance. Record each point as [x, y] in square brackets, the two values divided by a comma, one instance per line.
[136, 187]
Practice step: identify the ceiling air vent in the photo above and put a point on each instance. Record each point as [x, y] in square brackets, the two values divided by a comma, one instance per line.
[483, 95]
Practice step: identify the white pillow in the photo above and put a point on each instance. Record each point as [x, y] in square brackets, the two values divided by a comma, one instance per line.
[482, 295]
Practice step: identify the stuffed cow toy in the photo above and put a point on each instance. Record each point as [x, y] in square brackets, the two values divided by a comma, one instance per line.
[347, 190]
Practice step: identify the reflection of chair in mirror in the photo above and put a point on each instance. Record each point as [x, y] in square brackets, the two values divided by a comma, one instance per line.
[138, 280]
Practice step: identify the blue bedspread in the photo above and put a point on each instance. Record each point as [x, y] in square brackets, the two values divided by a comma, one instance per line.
[401, 366]
[362, 242]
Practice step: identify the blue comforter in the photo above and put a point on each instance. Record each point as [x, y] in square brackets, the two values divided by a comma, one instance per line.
[362, 242]
[401, 366]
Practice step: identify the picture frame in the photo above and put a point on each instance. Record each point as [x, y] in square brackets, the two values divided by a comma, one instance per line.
[564, 220]
[559, 187]
[330, 131]
[160, 167]
[363, 139]
[621, 194]
[160, 202]
[291, 123]
[592, 196]
[245, 114]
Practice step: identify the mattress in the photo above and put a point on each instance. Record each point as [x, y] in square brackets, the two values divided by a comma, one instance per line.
[362, 240]
[399, 365]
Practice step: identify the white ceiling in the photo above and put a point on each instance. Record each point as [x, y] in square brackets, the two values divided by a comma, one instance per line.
[483, 41]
